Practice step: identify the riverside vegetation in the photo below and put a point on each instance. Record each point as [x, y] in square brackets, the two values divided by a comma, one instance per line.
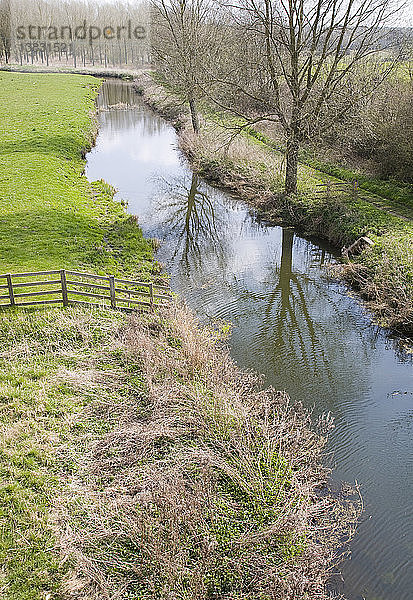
[137, 461]
[252, 166]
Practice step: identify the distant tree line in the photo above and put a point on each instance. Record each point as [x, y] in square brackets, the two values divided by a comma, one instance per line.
[75, 32]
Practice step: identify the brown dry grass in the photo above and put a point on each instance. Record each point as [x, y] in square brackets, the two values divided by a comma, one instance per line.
[204, 486]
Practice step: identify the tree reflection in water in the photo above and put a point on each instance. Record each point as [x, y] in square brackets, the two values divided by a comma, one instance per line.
[291, 322]
[192, 223]
[202, 238]
[279, 309]
[292, 318]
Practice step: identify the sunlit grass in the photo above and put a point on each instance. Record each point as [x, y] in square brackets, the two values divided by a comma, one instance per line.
[51, 217]
[40, 418]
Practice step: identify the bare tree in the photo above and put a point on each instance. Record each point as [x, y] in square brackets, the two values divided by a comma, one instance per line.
[302, 58]
[184, 41]
[5, 33]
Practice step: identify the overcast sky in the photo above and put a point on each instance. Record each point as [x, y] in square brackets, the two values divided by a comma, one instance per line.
[405, 19]
[406, 16]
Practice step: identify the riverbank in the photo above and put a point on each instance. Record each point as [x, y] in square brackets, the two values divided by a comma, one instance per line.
[51, 216]
[248, 167]
[136, 458]
[93, 71]
[391, 194]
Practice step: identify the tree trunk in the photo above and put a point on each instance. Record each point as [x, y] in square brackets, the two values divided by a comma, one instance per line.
[194, 115]
[292, 164]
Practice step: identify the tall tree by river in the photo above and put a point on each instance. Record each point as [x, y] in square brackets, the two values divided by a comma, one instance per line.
[302, 57]
[186, 42]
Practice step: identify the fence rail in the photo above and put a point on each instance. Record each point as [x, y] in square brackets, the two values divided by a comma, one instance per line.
[108, 290]
[325, 189]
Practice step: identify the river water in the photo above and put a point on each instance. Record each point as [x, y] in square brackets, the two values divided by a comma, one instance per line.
[304, 333]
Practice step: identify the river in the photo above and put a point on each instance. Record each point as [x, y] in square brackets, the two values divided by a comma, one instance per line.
[305, 333]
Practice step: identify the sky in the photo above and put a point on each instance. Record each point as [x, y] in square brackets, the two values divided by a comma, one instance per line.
[406, 14]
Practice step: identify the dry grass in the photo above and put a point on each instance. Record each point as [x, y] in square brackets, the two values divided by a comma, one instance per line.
[384, 279]
[205, 487]
[140, 463]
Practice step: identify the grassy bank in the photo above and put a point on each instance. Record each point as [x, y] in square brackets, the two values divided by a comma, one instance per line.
[253, 170]
[390, 195]
[136, 460]
[51, 216]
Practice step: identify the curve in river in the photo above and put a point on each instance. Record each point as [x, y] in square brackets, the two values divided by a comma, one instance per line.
[304, 333]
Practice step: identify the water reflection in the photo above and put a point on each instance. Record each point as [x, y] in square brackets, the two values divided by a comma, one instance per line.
[115, 93]
[305, 334]
[191, 219]
[286, 312]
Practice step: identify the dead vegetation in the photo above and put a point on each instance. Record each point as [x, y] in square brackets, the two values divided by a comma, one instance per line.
[385, 284]
[204, 486]
[142, 463]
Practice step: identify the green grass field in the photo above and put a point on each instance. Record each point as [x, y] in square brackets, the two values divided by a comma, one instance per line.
[51, 217]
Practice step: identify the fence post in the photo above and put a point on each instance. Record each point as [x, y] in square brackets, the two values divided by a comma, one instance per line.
[112, 291]
[64, 287]
[151, 293]
[11, 293]
[355, 188]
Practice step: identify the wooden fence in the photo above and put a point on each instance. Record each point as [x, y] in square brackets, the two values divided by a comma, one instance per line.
[325, 189]
[73, 287]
